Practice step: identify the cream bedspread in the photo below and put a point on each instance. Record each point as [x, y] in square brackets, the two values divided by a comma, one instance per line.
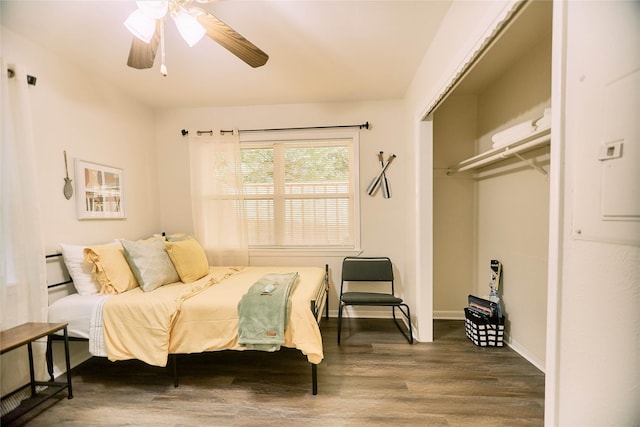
[203, 316]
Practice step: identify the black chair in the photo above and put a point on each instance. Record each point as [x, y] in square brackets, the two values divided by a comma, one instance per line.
[371, 269]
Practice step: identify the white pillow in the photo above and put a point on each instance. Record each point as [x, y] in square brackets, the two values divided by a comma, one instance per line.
[79, 270]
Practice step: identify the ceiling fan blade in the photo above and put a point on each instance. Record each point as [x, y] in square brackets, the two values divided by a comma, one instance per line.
[141, 54]
[231, 40]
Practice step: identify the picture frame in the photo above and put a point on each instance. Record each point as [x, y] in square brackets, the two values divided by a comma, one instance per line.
[99, 191]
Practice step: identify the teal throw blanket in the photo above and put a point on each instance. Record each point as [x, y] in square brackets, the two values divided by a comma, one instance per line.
[263, 312]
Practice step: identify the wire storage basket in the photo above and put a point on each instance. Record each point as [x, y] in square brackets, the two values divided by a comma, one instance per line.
[482, 330]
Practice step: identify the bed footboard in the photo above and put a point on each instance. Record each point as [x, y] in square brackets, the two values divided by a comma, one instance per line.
[321, 301]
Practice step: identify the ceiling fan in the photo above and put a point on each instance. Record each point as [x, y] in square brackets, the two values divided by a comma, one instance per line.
[147, 25]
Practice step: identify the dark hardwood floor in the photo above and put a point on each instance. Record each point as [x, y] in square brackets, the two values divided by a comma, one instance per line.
[373, 378]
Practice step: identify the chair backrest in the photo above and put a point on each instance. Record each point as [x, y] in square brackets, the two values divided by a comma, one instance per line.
[367, 269]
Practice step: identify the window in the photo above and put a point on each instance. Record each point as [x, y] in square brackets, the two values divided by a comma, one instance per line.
[299, 190]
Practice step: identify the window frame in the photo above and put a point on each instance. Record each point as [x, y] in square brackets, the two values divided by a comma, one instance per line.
[268, 138]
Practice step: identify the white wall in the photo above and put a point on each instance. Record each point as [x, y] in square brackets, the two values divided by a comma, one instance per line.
[454, 207]
[384, 227]
[513, 206]
[93, 121]
[596, 371]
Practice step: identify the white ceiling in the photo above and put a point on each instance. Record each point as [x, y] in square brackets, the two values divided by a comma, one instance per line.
[319, 51]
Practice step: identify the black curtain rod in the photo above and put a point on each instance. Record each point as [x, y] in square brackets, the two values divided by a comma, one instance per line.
[30, 79]
[222, 131]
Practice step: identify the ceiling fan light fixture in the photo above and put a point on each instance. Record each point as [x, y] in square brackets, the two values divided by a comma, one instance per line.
[189, 27]
[153, 9]
[141, 25]
[147, 26]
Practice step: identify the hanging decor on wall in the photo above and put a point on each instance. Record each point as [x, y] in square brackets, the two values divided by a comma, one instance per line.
[100, 191]
[68, 188]
[380, 180]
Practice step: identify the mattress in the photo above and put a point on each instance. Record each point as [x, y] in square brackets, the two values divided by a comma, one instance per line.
[77, 311]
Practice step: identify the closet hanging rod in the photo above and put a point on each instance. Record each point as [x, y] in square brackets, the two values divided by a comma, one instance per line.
[365, 125]
[30, 79]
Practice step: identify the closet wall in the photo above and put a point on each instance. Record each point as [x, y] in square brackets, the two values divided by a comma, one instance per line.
[498, 211]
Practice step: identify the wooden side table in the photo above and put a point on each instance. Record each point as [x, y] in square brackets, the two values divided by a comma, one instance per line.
[26, 334]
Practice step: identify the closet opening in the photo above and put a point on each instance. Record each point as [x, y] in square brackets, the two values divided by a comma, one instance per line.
[491, 153]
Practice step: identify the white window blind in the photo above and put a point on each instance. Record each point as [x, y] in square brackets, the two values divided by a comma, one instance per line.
[299, 191]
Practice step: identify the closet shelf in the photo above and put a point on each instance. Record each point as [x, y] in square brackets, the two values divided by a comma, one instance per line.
[513, 149]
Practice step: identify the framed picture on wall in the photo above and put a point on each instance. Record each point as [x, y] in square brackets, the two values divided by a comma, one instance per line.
[100, 191]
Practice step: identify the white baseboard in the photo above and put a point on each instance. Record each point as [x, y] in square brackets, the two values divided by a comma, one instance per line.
[522, 351]
[448, 315]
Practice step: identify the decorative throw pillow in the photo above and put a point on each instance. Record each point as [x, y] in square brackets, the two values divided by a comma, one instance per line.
[189, 259]
[79, 269]
[111, 268]
[150, 263]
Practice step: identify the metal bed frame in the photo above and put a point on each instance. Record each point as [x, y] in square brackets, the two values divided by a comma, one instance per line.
[319, 305]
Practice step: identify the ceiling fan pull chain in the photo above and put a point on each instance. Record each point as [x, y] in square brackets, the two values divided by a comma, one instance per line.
[163, 68]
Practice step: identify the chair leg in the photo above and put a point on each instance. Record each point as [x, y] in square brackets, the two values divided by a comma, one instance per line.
[410, 328]
[339, 320]
[407, 314]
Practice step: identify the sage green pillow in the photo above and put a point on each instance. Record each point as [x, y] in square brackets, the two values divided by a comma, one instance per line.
[150, 263]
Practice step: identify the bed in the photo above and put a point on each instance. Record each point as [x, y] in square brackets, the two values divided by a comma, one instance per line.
[180, 318]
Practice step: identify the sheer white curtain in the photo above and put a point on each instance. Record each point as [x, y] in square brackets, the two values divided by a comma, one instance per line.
[22, 272]
[217, 198]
